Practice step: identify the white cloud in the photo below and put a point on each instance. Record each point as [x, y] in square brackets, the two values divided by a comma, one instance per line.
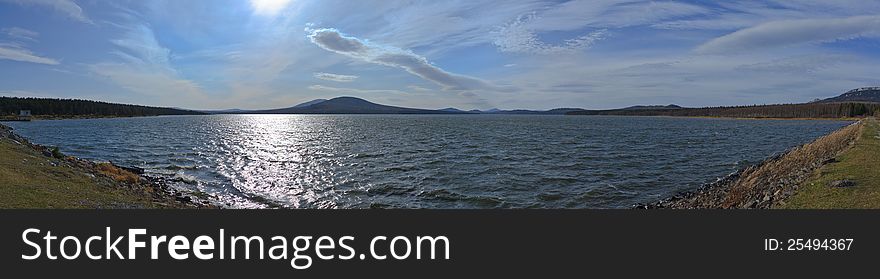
[418, 88]
[147, 82]
[16, 52]
[799, 65]
[66, 7]
[145, 68]
[437, 26]
[335, 77]
[516, 37]
[790, 32]
[332, 40]
[344, 90]
[20, 33]
[577, 14]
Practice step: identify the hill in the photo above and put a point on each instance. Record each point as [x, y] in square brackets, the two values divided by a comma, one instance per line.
[811, 110]
[309, 103]
[864, 94]
[73, 107]
[348, 105]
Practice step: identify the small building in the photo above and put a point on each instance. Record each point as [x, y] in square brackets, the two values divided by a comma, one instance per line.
[24, 115]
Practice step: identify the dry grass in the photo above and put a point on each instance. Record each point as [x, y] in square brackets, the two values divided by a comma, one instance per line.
[790, 169]
[30, 180]
[772, 182]
[111, 171]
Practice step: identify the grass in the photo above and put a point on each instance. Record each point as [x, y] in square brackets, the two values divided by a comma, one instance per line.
[30, 180]
[861, 164]
[111, 171]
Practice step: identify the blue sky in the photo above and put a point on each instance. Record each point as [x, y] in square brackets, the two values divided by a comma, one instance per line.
[433, 54]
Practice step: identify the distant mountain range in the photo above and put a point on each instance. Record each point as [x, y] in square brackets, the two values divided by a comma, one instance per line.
[854, 103]
[864, 94]
[352, 105]
[860, 101]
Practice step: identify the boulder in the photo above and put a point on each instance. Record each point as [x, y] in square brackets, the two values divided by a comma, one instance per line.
[841, 183]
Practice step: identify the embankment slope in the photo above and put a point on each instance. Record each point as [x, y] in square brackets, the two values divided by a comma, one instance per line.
[33, 176]
[771, 183]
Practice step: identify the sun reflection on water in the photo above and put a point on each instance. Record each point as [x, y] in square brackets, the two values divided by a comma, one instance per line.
[272, 156]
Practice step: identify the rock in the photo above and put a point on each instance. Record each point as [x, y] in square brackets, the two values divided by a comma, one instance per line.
[842, 183]
[134, 170]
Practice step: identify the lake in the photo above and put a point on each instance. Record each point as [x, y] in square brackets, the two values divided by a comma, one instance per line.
[429, 161]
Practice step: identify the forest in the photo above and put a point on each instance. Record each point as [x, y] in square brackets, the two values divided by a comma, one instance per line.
[73, 107]
[810, 110]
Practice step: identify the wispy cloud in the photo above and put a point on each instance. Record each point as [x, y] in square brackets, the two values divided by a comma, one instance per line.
[791, 32]
[516, 37]
[345, 90]
[333, 40]
[799, 65]
[335, 77]
[577, 14]
[463, 53]
[16, 52]
[20, 33]
[66, 7]
[144, 67]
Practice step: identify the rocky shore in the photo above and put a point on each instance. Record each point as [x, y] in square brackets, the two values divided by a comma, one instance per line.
[123, 184]
[769, 183]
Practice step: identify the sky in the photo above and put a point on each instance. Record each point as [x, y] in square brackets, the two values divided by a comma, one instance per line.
[470, 54]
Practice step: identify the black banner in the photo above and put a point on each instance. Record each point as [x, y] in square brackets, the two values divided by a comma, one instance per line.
[481, 243]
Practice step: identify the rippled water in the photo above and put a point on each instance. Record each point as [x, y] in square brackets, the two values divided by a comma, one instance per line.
[429, 161]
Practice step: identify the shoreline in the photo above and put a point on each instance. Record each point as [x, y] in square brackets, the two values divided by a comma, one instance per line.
[91, 116]
[767, 184]
[770, 183]
[67, 117]
[37, 176]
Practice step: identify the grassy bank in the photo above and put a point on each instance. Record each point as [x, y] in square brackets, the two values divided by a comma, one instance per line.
[860, 164]
[774, 181]
[34, 177]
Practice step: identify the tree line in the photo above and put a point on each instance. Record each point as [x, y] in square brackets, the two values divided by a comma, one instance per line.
[48, 106]
[810, 110]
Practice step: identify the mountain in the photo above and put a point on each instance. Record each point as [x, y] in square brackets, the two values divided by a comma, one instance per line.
[454, 110]
[864, 94]
[652, 107]
[809, 110]
[309, 103]
[348, 105]
[352, 105]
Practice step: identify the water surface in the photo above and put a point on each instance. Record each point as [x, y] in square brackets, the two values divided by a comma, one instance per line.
[429, 161]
